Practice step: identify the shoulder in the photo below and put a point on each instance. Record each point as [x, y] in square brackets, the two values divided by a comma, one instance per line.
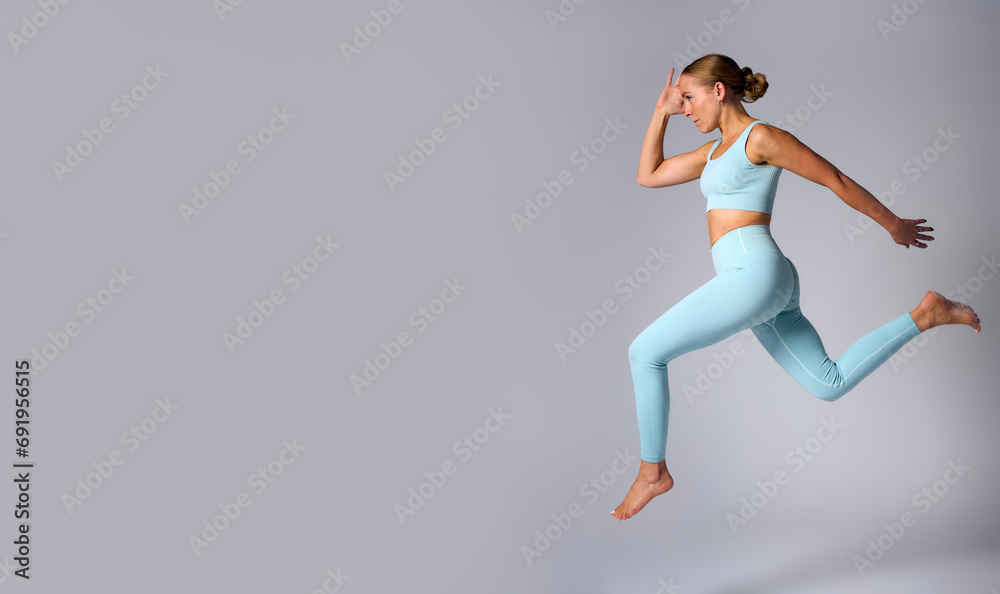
[706, 148]
[764, 140]
[768, 145]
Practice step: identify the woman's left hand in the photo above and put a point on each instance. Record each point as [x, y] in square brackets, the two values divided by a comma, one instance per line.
[909, 232]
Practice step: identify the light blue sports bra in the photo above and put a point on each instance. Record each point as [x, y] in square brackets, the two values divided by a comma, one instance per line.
[732, 181]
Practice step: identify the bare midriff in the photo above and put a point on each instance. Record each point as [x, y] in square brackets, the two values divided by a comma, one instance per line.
[724, 220]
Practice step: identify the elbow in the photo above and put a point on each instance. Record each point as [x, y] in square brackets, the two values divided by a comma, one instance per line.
[641, 180]
[838, 185]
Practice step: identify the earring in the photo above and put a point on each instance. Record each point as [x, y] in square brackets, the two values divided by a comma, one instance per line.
[720, 101]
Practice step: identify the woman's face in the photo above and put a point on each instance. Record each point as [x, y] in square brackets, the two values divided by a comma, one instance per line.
[700, 104]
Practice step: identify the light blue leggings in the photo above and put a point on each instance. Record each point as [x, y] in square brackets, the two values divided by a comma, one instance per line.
[755, 287]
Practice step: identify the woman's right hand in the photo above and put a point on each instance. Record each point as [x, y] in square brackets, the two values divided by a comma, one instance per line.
[671, 102]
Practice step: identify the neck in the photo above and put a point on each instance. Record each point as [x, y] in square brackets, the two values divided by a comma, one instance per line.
[732, 122]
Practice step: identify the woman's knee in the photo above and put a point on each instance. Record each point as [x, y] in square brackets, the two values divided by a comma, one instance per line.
[828, 393]
[644, 351]
[637, 351]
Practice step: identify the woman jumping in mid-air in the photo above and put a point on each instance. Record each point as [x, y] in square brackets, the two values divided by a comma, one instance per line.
[755, 285]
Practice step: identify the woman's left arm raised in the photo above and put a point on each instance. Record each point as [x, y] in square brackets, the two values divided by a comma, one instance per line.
[781, 149]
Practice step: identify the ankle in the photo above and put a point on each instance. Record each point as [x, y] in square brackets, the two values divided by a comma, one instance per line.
[923, 319]
[652, 471]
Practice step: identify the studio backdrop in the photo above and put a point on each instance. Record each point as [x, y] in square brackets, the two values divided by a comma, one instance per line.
[327, 296]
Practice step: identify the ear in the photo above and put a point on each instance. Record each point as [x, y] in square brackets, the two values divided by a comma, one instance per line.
[720, 91]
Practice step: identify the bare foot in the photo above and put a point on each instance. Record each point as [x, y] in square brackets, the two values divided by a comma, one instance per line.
[653, 480]
[936, 310]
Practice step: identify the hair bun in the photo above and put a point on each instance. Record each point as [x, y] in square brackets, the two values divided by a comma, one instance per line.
[744, 83]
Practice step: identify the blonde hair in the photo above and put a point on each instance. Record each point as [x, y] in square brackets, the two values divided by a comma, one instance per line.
[742, 82]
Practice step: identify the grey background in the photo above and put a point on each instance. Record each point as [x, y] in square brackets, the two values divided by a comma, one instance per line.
[332, 508]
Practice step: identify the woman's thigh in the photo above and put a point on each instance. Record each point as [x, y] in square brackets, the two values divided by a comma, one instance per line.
[750, 289]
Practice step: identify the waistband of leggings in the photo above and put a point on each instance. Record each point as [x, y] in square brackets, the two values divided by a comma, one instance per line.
[741, 241]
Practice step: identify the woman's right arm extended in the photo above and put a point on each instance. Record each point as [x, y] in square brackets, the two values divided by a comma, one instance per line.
[654, 171]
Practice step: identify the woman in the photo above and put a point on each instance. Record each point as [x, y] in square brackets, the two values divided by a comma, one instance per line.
[756, 286]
